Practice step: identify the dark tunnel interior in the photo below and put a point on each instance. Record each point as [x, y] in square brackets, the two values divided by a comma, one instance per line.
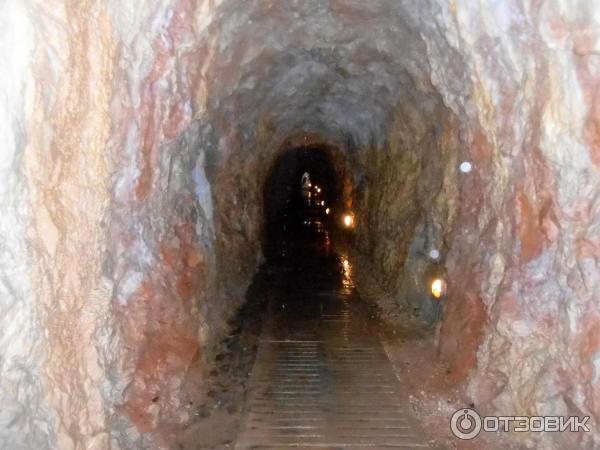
[302, 198]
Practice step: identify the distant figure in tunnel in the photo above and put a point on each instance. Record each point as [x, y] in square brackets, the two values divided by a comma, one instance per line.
[305, 185]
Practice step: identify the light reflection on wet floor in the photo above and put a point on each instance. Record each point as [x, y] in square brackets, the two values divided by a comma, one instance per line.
[322, 378]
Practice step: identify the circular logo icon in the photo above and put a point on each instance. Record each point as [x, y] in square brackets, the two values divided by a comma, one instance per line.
[465, 424]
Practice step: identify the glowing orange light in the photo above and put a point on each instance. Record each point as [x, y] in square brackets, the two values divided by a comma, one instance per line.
[327, 211]
[318, 189]
[347, 267]
[348, 220]
[438, 288]
[322, 203]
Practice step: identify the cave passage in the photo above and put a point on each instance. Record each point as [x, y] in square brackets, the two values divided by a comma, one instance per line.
[321, 376]
[216, 214]
[301, 203]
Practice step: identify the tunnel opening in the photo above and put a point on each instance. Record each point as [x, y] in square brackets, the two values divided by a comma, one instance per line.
[302, 204]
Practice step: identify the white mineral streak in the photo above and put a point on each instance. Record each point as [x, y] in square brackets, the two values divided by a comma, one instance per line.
[24, 417]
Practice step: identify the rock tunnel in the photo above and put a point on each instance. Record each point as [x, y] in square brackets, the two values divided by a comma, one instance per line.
[146, 152]
[283, 189]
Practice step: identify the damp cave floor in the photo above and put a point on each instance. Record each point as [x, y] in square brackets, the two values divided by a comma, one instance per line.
[310, 364]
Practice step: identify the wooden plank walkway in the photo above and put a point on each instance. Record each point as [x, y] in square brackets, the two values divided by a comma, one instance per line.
[322, 380]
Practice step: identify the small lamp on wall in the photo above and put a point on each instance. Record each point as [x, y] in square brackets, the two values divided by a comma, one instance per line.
[348, 220]
[438, 288]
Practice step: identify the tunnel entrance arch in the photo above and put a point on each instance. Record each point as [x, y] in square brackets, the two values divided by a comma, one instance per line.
[301, 180]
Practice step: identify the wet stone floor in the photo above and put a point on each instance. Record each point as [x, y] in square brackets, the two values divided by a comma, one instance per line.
[321, 378]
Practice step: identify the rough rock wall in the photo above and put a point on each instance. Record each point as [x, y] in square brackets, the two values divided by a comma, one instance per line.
[139, 135]
[108, 259]
[407, 201]
[49, 379]
[21, 356]
[522, 255]
[518, 234]
[160, 253]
